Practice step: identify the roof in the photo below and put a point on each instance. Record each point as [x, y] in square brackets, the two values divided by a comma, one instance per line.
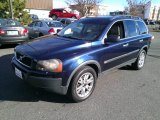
[111, 18]
[103, 20]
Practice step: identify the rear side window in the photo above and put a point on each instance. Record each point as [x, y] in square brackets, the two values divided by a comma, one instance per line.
[68, 22]
[131, 28]
[9, 23]
[142, 27]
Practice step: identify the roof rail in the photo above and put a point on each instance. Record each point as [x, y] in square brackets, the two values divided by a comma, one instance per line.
[126, 16]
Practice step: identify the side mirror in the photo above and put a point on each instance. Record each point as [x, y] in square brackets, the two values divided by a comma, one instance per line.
[112, 38]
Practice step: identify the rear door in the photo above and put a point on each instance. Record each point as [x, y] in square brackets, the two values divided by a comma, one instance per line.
[144, 38]
[131, 40]
[31, 31]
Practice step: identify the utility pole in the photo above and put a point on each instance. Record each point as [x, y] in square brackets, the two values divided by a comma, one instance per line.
[11, 10]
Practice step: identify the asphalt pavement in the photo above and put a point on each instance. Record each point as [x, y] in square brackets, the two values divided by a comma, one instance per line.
[120, 94]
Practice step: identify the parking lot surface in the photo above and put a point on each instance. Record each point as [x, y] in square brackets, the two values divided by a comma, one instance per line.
[120, 94]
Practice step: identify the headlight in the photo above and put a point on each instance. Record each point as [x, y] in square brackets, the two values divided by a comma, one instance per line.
[52, 65]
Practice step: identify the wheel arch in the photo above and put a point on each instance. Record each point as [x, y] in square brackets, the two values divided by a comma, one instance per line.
[145, 47]
[92, 63]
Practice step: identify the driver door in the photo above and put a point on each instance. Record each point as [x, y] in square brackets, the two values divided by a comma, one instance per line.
[114, 52]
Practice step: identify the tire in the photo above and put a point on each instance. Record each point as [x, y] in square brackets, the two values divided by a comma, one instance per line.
[140, 60]
[74, 17]
[54, 17]
[40, 35]
[79, 85]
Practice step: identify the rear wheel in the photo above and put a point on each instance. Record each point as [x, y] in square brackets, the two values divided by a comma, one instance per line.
[54, 17]
[40, 34]
[74, 17]
[83, 84]
[140, 60]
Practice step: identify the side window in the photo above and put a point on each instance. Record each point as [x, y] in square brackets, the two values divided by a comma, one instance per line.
[41, 24]
[68, 22]
[59, 11]
[38, 24]
[131, 28]
[32, 24]
[142, 27]
[63, 21]
[117, 30]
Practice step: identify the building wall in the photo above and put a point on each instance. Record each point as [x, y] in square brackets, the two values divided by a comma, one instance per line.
[39, 4]
[103, 10]
[152, 12]
[42, 14]
[40, 8]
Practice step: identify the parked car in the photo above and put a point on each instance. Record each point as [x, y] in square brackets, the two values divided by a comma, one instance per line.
[147, 21]
[71, 62]
[12, 32]
[34, 17]
[152, 22]
[66, 21]
[62, 13]
[44, 27]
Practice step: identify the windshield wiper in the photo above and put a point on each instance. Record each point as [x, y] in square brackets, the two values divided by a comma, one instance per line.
[71, 37]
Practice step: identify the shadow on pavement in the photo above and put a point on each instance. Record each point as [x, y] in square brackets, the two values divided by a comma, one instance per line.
[8, 46]
[154, 56]
[14, 89]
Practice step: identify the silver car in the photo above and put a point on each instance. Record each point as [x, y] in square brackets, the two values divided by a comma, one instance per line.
[12, 32]
[44, 27]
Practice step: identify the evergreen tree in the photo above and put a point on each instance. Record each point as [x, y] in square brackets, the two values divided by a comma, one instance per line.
[18, 11]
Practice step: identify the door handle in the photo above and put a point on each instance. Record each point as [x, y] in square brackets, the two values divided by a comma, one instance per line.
[125, 45]
[140, 40]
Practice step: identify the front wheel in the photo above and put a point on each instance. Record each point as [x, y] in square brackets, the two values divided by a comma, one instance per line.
[83, 84]
[54, 17]
[140, 60]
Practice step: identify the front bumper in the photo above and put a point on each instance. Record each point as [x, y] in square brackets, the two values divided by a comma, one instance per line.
[38, 80]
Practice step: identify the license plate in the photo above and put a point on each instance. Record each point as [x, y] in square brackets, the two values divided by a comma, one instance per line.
[18, 73]
[12, 32]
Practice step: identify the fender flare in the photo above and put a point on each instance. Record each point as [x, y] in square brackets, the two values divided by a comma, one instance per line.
[81, 65]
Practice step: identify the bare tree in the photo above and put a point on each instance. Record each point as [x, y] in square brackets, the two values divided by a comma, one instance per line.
[83, 6]
[137, 7]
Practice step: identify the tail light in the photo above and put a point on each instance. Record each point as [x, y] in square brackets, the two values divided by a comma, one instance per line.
[51, 31]
[24, 31]
[2, 32]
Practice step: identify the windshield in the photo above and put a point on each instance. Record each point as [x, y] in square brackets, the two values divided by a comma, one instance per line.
[83, 31]
[54, 24]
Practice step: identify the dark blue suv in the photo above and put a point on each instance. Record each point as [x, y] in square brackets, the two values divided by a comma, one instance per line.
[71, 61]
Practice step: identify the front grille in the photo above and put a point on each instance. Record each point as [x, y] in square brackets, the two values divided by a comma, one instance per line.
[25, 60]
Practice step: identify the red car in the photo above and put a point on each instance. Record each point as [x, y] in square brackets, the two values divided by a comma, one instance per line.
[62, 13]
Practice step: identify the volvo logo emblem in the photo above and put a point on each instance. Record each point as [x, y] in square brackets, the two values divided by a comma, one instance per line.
[21, 58]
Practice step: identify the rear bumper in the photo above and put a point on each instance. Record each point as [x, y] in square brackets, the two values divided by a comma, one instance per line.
[40, 81]
[13, 40]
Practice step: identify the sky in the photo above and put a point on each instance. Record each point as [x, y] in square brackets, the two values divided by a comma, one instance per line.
[112, 4]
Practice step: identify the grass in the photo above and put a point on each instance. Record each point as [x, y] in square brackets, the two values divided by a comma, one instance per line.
[155, 30]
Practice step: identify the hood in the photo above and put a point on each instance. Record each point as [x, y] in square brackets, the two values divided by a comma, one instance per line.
[53, 47]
